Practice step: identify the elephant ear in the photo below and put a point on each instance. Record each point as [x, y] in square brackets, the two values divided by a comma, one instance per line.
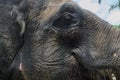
[10, 39]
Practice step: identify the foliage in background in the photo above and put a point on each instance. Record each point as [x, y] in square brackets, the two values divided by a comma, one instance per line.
[113, 6]
[117, 26]
[99, 1]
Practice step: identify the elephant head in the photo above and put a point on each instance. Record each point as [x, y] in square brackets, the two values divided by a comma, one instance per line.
[61, 40]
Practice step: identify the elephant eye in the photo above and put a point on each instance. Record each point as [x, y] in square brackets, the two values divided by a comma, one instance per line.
[65, 21]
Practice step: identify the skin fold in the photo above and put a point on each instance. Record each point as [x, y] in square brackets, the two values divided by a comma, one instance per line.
[60, 41]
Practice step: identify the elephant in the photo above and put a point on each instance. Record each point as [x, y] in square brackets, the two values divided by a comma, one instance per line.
[10, 39]
[56, 40]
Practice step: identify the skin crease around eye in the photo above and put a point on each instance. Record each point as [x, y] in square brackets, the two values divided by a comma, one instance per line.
[66, 21]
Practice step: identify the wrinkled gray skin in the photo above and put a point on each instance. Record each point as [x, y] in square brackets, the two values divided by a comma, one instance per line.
[65, 43]
[10, 39]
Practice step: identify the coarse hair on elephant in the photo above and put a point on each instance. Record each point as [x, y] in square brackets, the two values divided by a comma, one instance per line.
[56, 40]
